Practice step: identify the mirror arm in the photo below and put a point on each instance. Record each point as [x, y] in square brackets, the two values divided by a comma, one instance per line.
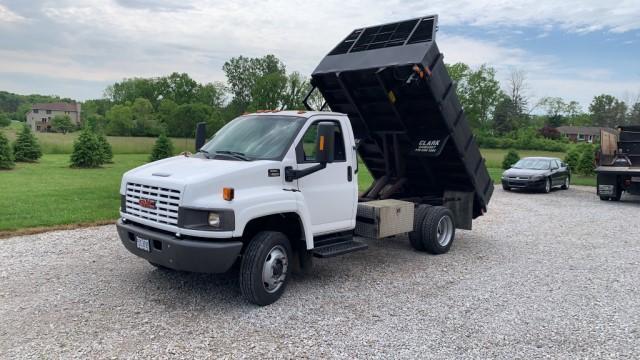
[290, 174]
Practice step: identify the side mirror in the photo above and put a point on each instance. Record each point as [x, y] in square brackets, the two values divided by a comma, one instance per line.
[325, 142]
[201, 135]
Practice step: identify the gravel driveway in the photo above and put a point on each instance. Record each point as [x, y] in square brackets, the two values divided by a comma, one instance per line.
[554, 275]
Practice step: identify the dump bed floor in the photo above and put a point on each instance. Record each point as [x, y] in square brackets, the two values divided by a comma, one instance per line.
[404, 110]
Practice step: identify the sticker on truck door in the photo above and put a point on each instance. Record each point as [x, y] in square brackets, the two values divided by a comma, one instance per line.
[430, 146]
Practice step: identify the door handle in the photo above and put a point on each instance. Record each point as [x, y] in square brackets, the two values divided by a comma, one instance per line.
[349, 174]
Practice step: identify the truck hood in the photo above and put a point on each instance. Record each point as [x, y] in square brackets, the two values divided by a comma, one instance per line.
[193, 169]
[178, 171]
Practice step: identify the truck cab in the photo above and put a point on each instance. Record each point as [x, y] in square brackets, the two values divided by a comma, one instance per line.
[274, 189]
[260, 172]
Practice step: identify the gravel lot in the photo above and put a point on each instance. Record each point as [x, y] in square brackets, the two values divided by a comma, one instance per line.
[553, 275]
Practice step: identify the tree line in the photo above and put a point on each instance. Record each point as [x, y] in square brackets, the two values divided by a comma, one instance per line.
[173, 104]
[504, 110]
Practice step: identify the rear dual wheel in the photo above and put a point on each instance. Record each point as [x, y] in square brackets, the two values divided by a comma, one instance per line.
[433, 229]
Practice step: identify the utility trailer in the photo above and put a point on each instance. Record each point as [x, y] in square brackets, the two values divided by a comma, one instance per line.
[274, 188]
[409, 125]
[618, 161]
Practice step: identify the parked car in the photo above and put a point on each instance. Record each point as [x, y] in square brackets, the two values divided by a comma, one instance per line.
[537, 173]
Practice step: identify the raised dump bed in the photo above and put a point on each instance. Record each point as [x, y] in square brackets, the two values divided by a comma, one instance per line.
[413, 134]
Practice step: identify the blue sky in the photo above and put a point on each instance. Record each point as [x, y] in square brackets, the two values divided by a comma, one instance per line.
[574, 49]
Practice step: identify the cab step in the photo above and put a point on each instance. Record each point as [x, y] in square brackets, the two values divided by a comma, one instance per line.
[339, 248]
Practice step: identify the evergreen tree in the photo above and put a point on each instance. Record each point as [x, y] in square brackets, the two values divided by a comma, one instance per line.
[163, 148]
[510, 158]
[26, 147]
[586, 165]
[572, 159]
[87, 152]
[6, 156]
[107, 151]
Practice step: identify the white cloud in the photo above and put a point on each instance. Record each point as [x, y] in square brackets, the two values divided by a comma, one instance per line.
[106, 40]
[8, 16]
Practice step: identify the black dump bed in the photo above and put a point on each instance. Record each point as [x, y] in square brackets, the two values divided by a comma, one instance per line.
[629, 143]
[413, 134]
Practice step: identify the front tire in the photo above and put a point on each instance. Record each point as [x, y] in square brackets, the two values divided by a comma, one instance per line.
[505, 187]
[438, 230]
[265, 268]
[567, 182]
[547, 186]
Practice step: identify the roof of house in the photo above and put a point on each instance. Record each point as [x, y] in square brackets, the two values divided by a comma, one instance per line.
[583, 130]
[61, 106]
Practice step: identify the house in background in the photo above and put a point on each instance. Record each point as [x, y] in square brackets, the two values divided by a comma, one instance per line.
[40, 116]
[589, 134]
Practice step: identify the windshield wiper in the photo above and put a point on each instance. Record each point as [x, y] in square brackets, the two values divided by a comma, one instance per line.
[206, 153]
[235, 154]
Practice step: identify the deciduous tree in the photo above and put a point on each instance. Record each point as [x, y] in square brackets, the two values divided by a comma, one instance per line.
[606, 110]
[62, 123]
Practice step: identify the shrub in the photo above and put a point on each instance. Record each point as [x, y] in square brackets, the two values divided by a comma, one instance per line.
[510, 158]
[572, 159]
[586, 165]
[105, 147]
[87, 152]
[4, 120]
[26, 147]
[549, 132]
[6, 156]
[163, 148]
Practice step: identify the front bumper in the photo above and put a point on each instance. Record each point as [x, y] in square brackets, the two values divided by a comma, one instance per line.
[203, 256]
[524, 184]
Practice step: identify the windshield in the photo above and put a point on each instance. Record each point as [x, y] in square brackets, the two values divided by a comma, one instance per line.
[532, 164]
[255, 137]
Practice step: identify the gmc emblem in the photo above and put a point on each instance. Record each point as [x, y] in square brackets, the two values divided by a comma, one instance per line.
[147, 203]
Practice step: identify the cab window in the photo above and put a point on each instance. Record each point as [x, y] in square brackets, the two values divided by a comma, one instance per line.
[305, 151]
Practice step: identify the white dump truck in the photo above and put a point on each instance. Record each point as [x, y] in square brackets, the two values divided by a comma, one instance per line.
[273, 189]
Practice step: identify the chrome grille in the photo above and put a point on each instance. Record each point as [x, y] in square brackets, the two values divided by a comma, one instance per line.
[166, 203]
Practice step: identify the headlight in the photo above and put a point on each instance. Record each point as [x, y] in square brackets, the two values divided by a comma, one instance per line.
[537, 177]
[214, 219]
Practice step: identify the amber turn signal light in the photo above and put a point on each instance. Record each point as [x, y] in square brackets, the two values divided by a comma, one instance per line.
[227, 194]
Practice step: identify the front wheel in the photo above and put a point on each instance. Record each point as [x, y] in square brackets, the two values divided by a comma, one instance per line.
[566, 183]
[547, 186]
[265, 269]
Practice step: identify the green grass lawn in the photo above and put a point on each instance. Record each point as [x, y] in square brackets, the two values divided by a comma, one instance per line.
[49, 193]
[56, 143]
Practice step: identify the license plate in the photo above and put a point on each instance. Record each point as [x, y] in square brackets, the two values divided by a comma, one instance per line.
[142, 243]
[605, 190]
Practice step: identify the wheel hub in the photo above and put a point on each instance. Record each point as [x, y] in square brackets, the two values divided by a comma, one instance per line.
[444, 231]
[274, 269]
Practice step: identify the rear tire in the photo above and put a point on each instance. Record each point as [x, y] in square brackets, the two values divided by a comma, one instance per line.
[415, 237]
[438, 230]
[265, 268]
[617, 196]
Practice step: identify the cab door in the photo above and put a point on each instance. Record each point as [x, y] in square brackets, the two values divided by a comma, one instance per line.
[329, 194]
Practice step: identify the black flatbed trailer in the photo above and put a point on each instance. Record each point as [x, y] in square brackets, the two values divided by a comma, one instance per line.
[618, 167]
[412, 132]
